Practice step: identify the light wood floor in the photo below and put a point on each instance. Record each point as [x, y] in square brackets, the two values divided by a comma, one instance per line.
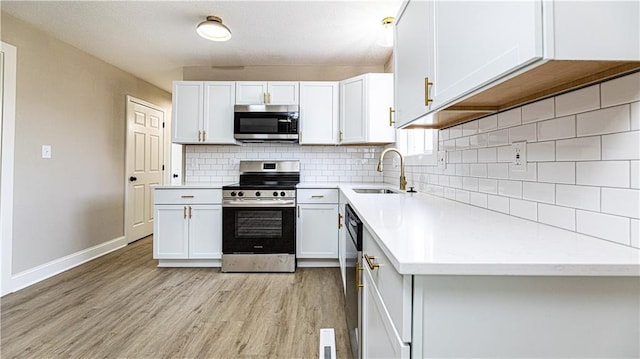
[122, 306]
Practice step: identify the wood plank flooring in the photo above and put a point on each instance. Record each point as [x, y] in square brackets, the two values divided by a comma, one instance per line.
[122, 306]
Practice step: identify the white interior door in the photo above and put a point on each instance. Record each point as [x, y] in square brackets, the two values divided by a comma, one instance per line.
[144, 165]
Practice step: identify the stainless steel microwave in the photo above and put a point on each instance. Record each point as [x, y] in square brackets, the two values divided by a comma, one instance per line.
[258, 123]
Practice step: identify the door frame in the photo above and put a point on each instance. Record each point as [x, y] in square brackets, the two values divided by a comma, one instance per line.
[7, 145]
[129, 112]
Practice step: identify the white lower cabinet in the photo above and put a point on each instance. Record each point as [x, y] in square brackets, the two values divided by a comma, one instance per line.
[317, 226]
[187, 227]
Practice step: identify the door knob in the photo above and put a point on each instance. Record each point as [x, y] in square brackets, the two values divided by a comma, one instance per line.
[133, 179]
[175, 175]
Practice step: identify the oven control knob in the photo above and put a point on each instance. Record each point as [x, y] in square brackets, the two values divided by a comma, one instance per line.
[240, 193]
[257, 194]
[283, 194]
[275, 194]
[233, 194]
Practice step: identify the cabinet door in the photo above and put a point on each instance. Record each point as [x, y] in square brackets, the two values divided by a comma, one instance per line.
[205, 231]
[317, 231]
[170, 232]
[251, 92]
[187, 111]
[282, 93]
[352, 110]
[379, 104]
[319, 113]
[342, 241]
[479, 41]
[413, 61]
[379, 337]
[219, 98]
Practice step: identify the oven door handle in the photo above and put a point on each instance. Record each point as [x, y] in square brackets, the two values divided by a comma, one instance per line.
[258, 203]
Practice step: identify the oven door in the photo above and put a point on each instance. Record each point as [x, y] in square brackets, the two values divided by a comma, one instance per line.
[258, 230]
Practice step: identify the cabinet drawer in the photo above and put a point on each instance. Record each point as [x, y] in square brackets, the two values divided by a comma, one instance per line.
[187, 196]
[394, 288]
[317, 195]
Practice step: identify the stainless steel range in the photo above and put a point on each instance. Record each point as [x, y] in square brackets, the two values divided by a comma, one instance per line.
[259, 219]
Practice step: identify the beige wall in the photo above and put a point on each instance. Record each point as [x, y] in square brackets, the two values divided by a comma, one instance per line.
[75, 103]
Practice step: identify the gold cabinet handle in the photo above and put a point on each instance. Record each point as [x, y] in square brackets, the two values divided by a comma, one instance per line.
[186, 196]
[427, 83]
[269, 97]
[298, 211]
[391, 121]
[189, 212]
[264, 97]
[204, 135]
[339, 220]
[358, 285]
[199, 136]
[184, 212]
[370, 259]
[317, 196]
[340, 135]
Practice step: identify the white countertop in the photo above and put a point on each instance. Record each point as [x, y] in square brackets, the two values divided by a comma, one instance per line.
[424, 234]
[197, 185]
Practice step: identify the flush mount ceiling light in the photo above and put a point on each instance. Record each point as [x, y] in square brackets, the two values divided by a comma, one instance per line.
[213, 29]
[385, 38]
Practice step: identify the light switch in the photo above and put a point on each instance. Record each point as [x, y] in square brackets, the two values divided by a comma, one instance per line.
[46, 151]
[519, 159]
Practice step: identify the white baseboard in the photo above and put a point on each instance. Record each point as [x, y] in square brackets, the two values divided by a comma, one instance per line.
[47, 270]
[317, 263]
[176, 263]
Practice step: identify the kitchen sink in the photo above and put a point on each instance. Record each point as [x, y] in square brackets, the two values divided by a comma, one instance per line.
[375, 191]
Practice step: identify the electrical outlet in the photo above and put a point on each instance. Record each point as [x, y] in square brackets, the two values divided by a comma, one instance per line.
[442, 159]
[519, 159]
[46, 151]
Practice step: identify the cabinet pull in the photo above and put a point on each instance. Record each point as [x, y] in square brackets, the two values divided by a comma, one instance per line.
[199, 136]
[264, 97]
[317, 196]
[427, 100]
[269, 97]
[298, 211]
[391, 121]
[300, 137]
[339, 220]
[340, 135]
[186, 196]
[370, 262]
[189, 212]
[184, 212]
[358, 285]
[204, 135]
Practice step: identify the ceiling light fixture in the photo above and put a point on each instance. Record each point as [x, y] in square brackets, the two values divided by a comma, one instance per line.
[385, 38]
[213, 29]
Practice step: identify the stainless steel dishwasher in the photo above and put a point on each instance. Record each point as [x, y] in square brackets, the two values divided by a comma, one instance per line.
[353, 300]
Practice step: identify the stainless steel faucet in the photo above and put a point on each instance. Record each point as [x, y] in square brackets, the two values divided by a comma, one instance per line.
[403, 179]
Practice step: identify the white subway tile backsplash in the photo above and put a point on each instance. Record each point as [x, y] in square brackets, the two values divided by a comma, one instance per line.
[541, 151]
[621, 90]
[443, 134]
[558, 128]
[470, 128]
[499, 138]
[510, 188]
[557, 216]
[487, 124]
[462, 196]
[498, 170]
[531, 173]
[478, 199]
[608, 120]
[480, 140]
[583, 197]
[462, 143]
[455, 132]
[463, 169]
[557, 172]
[635, 233]
[510, 118]
[635, 116]
[470, 183]
[583, 100]
[612, 228]
[478, 170]
[486, 185]
[578, 149]
[523, 133]
[486, 155]
[603, 173]
[470, 156]
[450, 145]
[455, 181]
[450, 193]
[497, 203]
[537, 111]
[635, 174]
[539, 192]
[455, 157]
[443, 180]
[623, 202]
[523, 209]
[621, 146]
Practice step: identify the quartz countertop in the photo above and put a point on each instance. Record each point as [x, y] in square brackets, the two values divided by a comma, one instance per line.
[197, 185]
[428, 235]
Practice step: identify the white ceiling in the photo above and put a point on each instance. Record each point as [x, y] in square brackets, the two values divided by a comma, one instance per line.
[155, 39]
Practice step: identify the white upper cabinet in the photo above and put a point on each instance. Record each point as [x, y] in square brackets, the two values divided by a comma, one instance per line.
[413, 62]
[487, 56]
[203, 112]
[366, 104]
[267, 93]
[319, 113]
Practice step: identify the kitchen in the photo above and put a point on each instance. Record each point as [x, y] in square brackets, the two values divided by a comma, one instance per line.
[494, 190]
